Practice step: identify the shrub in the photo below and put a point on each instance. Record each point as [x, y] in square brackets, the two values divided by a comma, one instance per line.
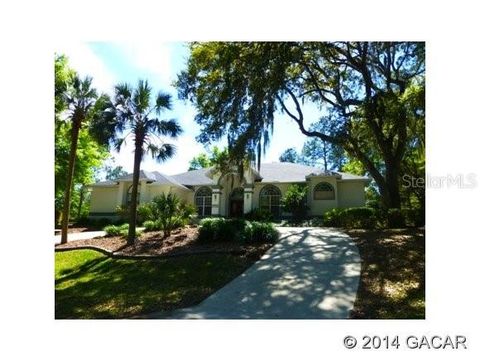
[395, 218]
[332, 218]
[294, 201]
[261, 215]
[260, 232]
[235, 230]
[113, 230]
[414, 217]
[151, 226]
[167, 212]
[355, 217]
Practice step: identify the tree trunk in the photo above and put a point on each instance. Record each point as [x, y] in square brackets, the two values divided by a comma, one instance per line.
[133, 203]
[393, 184]
[71, 166]
[80, 201]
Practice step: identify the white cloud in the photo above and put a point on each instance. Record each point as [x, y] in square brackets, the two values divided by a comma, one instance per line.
[152, 58]
[82, 58]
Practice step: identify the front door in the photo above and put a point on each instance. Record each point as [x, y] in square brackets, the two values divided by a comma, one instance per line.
[236, 203]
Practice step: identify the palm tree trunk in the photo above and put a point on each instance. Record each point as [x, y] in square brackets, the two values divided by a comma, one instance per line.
[71, 166]
[133, 204]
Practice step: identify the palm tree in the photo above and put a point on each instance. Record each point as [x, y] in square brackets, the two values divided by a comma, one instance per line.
[80, 99]
[133, 114]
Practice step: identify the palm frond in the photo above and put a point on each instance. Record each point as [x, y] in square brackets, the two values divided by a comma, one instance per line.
[163, 102]
[118, 143]
[141, 96]
[169, 128]
[123, 92]
[163, 152]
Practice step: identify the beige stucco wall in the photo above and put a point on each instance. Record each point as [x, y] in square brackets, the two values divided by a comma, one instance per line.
[319, 207]
[103, 199]
[351, 194]
[347, 194]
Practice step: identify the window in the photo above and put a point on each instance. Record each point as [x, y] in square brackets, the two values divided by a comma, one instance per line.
[270, 199]
[129, 195]
[323, 191]
[203, 201]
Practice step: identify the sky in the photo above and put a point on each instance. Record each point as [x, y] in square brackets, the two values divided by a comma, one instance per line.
[113, 62]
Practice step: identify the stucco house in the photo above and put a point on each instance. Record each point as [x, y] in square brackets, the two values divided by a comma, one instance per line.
[228, 195]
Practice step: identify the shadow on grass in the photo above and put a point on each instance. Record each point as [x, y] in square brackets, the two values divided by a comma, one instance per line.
[116, 288]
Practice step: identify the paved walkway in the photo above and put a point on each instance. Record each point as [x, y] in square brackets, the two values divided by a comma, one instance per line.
[311, 273]
[79, 236]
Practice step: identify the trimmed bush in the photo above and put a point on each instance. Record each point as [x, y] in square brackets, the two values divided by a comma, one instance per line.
[260, 232]
[356, 217]
[151, 226]
[112, 230]
[332, 218]
[261, 215]
[235, 230]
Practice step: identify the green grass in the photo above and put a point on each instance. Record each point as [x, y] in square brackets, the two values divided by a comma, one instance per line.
[89, 284]
[392, 282]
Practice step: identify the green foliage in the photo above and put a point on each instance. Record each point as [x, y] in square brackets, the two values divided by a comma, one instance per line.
[121, 230]
[366, 217]
[166, 212]
[113, 230]
[372, 93]
[63, 79]
[259, 214]
[152, 226]
[290, 155]
[260, 232]
[356, 217]
[113, 171]
[236, 230]
[414, 217]
[395, 218]
[133, 112]
[294, 201]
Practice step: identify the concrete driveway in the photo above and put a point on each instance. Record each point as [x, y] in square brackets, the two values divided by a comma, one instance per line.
[311, 273]
[79, 236]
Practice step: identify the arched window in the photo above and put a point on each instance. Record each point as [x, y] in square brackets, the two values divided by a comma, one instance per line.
[323, 191]
[203, 201]
[270, 199]
[129, 195]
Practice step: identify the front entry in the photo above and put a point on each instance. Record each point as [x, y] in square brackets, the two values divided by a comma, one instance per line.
[236, 203]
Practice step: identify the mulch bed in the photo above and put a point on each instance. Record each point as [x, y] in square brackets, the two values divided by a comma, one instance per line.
[153, 244]
[392, 282]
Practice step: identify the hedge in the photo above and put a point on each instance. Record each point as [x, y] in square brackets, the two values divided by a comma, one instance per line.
[236, 230]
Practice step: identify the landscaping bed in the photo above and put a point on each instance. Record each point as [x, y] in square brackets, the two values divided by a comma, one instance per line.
[181, 242]
[392, 283]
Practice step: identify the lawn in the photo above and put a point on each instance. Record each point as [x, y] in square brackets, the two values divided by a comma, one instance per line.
[392, 284]
[89, 284]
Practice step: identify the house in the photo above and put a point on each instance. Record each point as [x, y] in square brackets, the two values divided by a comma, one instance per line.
[228, 195]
